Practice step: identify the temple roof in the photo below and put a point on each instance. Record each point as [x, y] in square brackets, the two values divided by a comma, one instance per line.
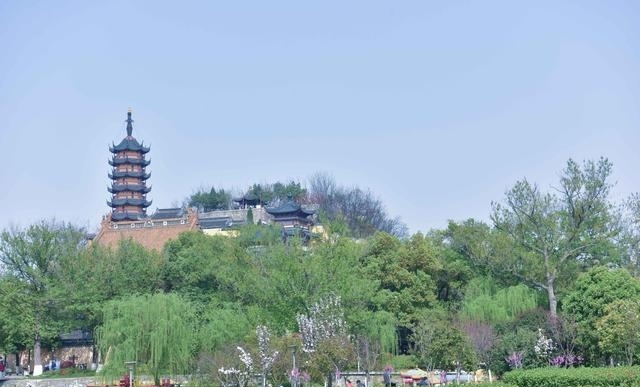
[247, 197]
[209, 223]
[289, 208]
[129, 144]
[168, 213]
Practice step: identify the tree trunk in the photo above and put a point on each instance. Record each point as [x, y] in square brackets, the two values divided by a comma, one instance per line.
[553, 301]
[37, 359]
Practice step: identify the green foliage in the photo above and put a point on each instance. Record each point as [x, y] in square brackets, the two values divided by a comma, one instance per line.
[558, 233]
[156, 331]
[518, 335]
[441, 345]
[593, 292]
[485, 302]
[574, 377]
[619, 329]
[403, 272]
[31, 259]
[211, 200]
[221, 325]
[271, 193]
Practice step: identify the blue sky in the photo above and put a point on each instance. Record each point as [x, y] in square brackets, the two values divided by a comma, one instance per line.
[436, 107]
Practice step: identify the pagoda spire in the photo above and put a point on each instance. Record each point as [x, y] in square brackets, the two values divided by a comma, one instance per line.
[129, 123]
[128, 187]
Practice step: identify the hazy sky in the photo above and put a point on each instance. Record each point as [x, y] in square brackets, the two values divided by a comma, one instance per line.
[437, 107]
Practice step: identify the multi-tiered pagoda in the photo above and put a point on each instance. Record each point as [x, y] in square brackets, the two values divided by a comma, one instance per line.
[128, 188]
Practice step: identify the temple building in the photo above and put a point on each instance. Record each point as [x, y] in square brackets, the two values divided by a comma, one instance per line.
[249, 200]
[128, 218]
[295, 220]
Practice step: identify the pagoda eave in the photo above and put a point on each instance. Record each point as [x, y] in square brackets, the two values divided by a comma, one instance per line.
[137, 188]
[127, 160]
[114, 203]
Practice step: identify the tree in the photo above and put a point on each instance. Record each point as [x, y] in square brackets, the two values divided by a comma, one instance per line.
[558, 233]
[403, 272]
[210, 201]
[588, 301]
[485, 301]
[619, 329]
[266, 356]
[363, 213]
[630, 236]
[14, 335]
[31, 257]
[324, 337]
[156, 331]
[482, 337]
[439, 344]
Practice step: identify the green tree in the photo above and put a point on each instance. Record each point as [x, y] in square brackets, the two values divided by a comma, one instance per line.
[484, 301]
[558, 233]
[439, 344]
[156, 331]
[14, 335]
[292, 189]
[629, 240]
[619, 329]
[211, 200]
[405, 274]
[588, 301]
[32, 257]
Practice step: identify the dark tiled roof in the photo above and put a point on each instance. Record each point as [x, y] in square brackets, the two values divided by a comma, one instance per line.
[129, 187]
[289, 208]
[129, 144]
[250, 197]
[168, 213]
[139, 174]
[115, 202]
[209, 223]
[129, 160]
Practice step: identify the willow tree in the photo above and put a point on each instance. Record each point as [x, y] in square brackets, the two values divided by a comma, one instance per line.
[557, 232]
[156, 331]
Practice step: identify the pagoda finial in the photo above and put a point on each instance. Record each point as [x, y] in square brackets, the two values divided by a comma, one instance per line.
[129, 123]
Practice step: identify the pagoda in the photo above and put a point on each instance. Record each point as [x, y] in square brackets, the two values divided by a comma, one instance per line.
[128, 187]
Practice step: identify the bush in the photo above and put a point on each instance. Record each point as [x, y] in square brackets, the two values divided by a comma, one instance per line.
[575, 377]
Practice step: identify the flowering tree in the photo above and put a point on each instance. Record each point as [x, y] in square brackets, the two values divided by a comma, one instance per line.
[237, 376]
[267, 358]
[515, 359]
[324, 336]
[544, 346]
[325, 321]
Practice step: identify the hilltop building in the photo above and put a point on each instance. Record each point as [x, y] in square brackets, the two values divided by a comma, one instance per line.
[129, 219]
